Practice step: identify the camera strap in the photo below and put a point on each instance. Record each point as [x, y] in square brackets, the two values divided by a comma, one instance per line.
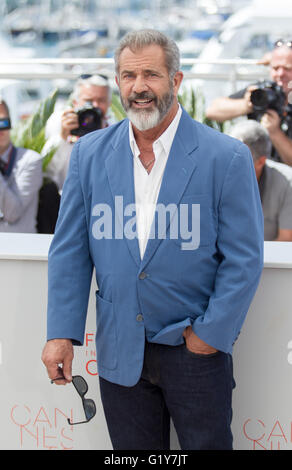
[6, 167]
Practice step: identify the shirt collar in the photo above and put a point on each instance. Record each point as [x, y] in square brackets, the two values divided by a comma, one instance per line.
[165, 139]
[133, 144]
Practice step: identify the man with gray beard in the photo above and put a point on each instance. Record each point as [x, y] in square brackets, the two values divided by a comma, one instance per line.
[168, 311]
[147, 118]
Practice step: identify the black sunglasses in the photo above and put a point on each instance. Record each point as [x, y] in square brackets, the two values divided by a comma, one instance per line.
[283, 42]
[81, 386]
[84, 76]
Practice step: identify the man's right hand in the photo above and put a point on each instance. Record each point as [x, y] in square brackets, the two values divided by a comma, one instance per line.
[247, 104]
[69, 121]
[58, 356]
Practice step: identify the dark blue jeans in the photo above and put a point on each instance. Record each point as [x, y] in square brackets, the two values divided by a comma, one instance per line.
[194, 390]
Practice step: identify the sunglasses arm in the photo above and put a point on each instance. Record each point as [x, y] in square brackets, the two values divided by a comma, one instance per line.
[73, 424]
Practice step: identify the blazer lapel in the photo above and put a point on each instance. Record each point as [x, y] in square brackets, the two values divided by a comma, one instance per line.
[178, 171]
[119, 167]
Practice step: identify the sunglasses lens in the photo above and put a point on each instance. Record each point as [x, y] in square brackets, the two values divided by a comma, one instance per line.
[281, 43]
[89, 408]
[80, 385]
[84, 76]
[88, 404]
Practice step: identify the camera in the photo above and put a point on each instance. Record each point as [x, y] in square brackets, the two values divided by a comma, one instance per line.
[268, 95]
[89, 119]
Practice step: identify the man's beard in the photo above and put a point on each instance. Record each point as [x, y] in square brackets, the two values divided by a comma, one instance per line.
[144, 119]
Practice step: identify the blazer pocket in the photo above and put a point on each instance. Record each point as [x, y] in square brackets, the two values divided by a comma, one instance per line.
[106, 338]
[195, 222]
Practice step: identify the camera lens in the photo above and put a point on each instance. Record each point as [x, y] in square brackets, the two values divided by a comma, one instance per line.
[89, 119]
[259, 98]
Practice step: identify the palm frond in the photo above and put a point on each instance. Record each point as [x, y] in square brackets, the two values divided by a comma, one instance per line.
[31, 132]
[117, 108]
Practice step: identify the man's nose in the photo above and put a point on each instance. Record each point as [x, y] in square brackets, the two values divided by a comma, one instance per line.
[140, 85]
[281, 72]
[95, 103]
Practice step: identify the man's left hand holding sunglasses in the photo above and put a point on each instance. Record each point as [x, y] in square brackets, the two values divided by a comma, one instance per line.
[58, 356]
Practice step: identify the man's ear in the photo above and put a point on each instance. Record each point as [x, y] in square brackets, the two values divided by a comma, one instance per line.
[177, 79]
[262, 160]
[117, 81]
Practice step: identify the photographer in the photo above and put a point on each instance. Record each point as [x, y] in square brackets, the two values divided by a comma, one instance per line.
[91, 99]
[278, 126]
[274, 180]
[20, 181]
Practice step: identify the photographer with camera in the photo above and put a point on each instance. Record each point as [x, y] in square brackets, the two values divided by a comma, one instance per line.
[20, 181]
[273, 111]
[91, 99]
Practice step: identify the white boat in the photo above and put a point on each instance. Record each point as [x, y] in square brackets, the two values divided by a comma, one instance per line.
[23, 19]
[247, 34]
[22, 96]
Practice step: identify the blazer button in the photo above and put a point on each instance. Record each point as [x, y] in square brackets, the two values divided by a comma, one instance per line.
[139, 317]
[142, 275]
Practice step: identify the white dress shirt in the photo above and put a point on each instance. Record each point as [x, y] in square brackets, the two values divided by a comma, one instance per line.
[147, 186]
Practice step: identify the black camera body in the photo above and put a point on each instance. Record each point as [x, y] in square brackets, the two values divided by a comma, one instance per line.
[268, 95]
[89, 119]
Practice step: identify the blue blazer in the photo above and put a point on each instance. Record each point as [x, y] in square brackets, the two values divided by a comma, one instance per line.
[210, 287]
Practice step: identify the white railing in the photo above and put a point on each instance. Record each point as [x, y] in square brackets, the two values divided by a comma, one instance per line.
[58, 68]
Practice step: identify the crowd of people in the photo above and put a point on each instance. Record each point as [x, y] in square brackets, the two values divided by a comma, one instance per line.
[268, 134]
[29, 197]
[267, 130]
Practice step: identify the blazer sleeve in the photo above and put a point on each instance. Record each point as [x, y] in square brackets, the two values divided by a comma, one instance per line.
[240, 245]
[69, 264]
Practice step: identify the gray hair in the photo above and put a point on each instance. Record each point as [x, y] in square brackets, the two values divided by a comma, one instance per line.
[137, 40]
[255, 136]
[93, 80]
